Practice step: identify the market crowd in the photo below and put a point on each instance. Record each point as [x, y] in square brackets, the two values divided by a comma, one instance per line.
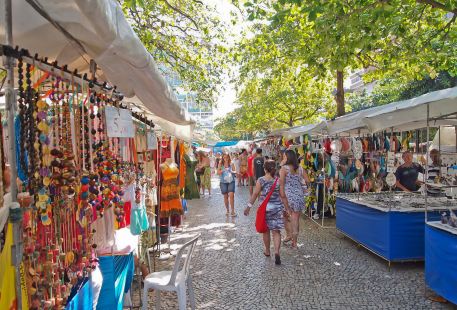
[283, 184]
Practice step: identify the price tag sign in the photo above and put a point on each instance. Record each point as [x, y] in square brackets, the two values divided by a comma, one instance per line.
[119, 123]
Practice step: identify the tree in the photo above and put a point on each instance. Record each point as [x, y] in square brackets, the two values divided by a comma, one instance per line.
[186, 37]
[405, 38]
[391, 90]
[285, 95]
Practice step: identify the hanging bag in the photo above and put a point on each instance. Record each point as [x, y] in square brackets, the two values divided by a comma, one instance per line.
[261, 217]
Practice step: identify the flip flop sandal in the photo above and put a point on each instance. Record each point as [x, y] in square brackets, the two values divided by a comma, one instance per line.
[287, 240]
[267, 255]
[233, 214]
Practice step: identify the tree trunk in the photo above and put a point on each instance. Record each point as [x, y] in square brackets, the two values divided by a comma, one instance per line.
[340, 93]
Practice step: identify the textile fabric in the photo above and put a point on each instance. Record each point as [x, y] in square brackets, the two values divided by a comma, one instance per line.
[191, 188]
[82, 297]
[275, 208]
[294, 190]
[117, 274]
[206, 177]
[227, 187]
[170, 198]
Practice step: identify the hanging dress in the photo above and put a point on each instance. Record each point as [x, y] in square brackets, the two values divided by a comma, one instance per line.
[191, 188]
[139, 218]
[170, 202]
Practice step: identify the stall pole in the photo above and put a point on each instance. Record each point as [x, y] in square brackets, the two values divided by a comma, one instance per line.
[10, 108]
[427, 152]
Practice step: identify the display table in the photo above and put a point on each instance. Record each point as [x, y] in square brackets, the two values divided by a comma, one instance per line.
[441, 260]
[391, 226]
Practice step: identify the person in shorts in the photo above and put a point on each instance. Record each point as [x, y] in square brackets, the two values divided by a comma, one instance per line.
[226, 171]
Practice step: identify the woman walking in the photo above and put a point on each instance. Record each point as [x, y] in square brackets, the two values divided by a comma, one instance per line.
[291, 178]
[205, 170]
[275, 207]
[226, 170]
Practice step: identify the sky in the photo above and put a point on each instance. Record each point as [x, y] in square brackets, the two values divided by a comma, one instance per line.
[227, 97]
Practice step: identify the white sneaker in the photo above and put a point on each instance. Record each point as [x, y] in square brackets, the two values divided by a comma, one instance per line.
[316, 216]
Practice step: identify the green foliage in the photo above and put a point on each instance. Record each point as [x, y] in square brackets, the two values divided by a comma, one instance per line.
[391, 90]
[186, 37]
[402, 39]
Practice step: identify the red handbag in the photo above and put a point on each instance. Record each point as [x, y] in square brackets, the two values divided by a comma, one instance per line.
[261, 217]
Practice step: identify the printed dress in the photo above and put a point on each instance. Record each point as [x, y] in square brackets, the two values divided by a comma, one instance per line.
[294, 190]
[170, 202]
[275, 208]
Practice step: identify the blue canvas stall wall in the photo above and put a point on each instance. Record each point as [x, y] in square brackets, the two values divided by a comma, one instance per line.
[441, 262]
[367, 226]
[82, 299]
[393, 235]
[117, 274]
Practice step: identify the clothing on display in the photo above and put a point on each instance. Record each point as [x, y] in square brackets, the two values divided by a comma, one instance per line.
[169, 196]
[191, 188]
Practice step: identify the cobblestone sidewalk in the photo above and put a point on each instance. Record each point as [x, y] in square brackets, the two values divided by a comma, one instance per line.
[328, 271]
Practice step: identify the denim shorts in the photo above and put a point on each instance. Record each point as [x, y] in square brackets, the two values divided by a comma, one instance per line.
[227, 187]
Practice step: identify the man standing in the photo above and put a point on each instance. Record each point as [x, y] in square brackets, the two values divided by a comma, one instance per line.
[258, 164]
[251, 177]
[407, 174]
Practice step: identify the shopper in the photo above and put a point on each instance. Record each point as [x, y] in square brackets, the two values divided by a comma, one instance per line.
[292, 178]
[407, 174]
[226, 170]
[206, 177]
[275, 208]
[258, 164]
[244, 166]
[251, 178]
[433, 172]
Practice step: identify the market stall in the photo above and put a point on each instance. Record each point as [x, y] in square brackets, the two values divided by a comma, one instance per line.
[85, 157]
[441, 258]
[378, 222]
[390, 225]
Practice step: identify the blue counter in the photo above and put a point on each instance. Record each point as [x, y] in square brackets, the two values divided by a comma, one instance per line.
[393, 235]
[441, 261]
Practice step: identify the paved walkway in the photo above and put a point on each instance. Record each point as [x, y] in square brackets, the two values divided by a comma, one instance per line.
[328, 271]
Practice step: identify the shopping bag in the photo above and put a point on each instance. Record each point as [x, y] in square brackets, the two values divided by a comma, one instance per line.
[261, 216]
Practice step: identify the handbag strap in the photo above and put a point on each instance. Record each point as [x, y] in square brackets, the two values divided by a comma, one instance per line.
[267, 198]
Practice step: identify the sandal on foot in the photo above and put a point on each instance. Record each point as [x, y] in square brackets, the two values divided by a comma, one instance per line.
[277, 259]
[233, 214]
[287, 240]
[267, 255]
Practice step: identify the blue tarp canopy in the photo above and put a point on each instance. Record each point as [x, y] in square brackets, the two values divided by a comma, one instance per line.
[225, 143]
[220, 145]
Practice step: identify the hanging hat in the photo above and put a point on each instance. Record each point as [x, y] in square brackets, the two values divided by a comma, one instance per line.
[345, 145]
[327, 145]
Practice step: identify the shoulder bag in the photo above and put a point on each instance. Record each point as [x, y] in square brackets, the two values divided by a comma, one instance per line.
[261, 217]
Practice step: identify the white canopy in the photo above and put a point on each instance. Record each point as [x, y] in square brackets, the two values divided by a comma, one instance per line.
[412, 113]
[306, 129]
[351, 123]
[75, 31]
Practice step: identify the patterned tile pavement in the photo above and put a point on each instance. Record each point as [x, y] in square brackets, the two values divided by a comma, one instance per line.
[327, 271]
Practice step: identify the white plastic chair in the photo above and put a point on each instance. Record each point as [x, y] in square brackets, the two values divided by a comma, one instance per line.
[176, 280]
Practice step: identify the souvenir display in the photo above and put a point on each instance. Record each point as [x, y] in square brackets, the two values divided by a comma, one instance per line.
[75, 177]
[399, 201]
